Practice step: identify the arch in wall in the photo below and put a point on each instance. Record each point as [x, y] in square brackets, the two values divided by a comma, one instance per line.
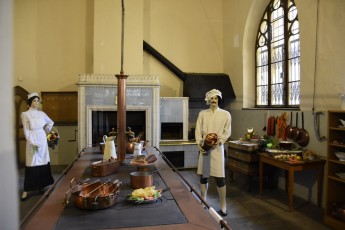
[249, 37]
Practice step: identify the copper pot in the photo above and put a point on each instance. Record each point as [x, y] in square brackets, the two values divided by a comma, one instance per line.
[141, 179]
[209, 141]
[98, 195]
[129, 147]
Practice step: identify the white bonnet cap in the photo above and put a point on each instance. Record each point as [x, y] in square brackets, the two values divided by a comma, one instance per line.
[30, 95]
[212, 93]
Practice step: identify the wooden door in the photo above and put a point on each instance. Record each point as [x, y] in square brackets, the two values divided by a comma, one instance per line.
[20, 97]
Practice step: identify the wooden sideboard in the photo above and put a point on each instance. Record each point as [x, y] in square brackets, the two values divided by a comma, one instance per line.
[243, 158]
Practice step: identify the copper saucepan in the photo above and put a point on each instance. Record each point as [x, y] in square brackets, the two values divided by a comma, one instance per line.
[141, 179]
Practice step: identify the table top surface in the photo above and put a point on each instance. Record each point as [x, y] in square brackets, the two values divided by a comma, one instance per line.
[266, 157]
[191, 213]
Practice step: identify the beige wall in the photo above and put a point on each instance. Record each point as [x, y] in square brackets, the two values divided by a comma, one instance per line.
[107, 37]
[49, 44]
[57, 40]
[189, 34]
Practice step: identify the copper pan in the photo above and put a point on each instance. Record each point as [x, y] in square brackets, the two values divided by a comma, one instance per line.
[295, 130]
[74, 190]
[141, 179]
[98, 196]
[303, 139]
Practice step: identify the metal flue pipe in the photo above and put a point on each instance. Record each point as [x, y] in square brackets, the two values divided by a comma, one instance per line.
[121, 101]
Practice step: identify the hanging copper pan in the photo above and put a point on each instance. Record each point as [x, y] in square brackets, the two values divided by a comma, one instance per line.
[303, 139]
[295, 132]
[288, 128]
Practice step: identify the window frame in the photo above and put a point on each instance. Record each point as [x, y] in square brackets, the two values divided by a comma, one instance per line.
[290, 88]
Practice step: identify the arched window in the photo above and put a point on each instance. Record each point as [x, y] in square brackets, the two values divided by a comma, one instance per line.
[278, 56]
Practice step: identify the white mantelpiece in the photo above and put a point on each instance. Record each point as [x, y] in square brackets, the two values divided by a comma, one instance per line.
[98, 92]
[175, 109]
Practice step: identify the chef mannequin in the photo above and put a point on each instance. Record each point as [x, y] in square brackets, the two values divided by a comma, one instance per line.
[212, 162]
[36, 125]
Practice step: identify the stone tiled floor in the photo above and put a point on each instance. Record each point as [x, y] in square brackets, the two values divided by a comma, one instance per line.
[246, 210]
[253, 211]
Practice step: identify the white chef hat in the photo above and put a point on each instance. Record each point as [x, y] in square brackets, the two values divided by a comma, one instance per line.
[212, 93]
[34, 94]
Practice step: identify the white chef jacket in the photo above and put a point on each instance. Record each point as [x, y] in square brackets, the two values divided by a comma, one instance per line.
[36, 125]
[218, 122]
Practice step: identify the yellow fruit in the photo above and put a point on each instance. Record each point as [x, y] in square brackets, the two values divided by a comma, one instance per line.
[298, 158]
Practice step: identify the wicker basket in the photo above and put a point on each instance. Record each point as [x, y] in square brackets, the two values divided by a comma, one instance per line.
[53, 138]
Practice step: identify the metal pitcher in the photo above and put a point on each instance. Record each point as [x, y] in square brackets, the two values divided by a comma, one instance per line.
[109, 149]
[138, 147]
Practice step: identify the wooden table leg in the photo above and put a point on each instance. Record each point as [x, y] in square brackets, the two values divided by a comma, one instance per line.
[291, 182]
[261, 175]
[319, 185]
[286, 180]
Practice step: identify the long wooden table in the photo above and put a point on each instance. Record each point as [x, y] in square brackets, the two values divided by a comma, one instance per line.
[291, 168]
[197, 217]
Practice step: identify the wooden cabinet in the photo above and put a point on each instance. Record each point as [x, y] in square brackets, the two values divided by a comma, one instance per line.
[61, 107]
[335, 185]
[243, 158]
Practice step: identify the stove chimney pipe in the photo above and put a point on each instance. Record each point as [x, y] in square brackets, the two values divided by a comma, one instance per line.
[121, 102]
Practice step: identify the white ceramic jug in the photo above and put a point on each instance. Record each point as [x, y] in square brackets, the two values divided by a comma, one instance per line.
[109, 149]
[138, 147]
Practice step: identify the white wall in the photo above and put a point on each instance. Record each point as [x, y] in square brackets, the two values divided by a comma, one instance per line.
[9, 218]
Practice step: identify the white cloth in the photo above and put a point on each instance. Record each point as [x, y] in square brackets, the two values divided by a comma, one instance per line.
[36, 125]
[218, 122]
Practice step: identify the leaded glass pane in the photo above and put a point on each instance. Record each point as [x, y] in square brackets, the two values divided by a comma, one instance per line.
[278, 56]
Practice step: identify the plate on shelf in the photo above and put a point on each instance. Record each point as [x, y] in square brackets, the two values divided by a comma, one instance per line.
[340, 155]
[341, 175]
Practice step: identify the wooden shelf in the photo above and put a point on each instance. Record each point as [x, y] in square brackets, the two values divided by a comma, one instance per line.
[335, 186]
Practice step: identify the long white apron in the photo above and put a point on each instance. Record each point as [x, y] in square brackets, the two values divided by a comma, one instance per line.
[36, 125]
[218, 122]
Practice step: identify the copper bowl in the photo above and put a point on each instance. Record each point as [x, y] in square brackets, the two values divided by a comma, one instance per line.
[98, 195]
[209, 141]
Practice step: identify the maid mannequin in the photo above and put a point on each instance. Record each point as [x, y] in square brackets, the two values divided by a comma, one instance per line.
[36, 125]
